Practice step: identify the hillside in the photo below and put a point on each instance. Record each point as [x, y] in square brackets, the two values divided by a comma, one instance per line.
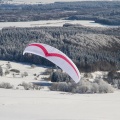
[43, 104]
[25, 74]
[104, 12]
[33, 88]
[97, 48]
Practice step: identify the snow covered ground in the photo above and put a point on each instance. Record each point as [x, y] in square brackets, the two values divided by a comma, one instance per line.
[47, 105]
[51, 23]
[40, 1]
[19, 104]
[17, 79]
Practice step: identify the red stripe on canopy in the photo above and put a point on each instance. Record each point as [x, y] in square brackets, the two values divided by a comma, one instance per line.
[47, 54]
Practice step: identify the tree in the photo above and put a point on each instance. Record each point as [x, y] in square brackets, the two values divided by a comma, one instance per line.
[1, 71]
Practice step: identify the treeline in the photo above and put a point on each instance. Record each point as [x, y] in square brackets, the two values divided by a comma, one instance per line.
[90, 48]
[104, 12]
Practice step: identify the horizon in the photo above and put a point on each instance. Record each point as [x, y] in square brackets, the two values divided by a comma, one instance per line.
[46, 1]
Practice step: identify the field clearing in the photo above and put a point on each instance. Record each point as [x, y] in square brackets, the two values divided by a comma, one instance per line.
[20, 104]
[50, 23]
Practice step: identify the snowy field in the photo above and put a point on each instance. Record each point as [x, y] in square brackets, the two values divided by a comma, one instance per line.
[20, 104]
[47, 105]
[17, 79]
[40, 1]
[54, 23]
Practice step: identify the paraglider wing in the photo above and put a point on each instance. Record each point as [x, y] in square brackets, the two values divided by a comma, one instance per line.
[56, 56]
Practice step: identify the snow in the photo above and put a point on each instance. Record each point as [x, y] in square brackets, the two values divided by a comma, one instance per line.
[52, 23]
[23, 68]
[40, 1]
[46, 105]
[19, 104]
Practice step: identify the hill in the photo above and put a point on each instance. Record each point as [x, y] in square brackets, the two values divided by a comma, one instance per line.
[91, 49]
[104, 12]
[18, 103]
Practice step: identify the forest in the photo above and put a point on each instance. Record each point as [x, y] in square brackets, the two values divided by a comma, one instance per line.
[104, 12]
[91, 49]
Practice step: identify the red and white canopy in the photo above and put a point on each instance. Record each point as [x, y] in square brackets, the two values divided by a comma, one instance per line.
[56, 56]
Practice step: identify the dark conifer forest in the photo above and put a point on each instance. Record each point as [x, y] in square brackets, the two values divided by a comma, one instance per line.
[104, 12]
[91, 49]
